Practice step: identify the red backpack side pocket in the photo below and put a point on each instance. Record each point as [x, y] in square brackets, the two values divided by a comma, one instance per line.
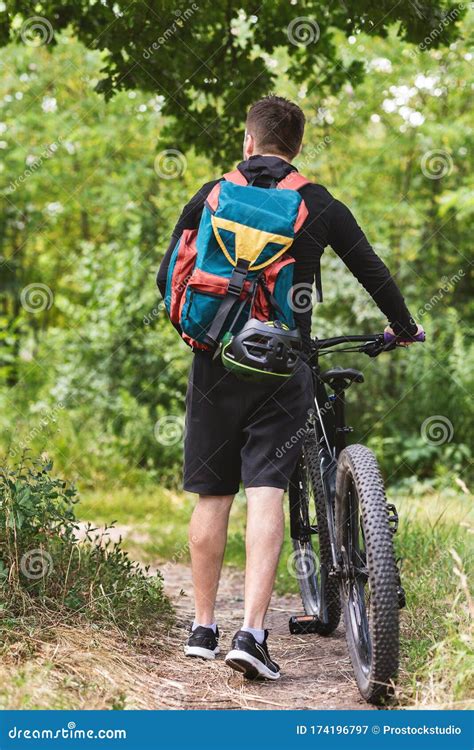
[262, 309]
[180, 269]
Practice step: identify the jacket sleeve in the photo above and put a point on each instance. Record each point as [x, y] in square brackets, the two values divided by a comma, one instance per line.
[189, 219]
[350, 243]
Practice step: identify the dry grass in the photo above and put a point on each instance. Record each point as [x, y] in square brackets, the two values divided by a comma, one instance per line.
[85, 668]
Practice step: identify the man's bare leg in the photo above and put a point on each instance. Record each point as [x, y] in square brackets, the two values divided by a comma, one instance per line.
[265, 526]
[207, 540]
[264, 539]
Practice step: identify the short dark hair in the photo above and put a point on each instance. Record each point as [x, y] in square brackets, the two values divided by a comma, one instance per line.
[277, 125]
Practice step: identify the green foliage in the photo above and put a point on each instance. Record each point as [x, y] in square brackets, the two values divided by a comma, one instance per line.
[88, 375]
[47, 570]
[190, 57]
[375, 148]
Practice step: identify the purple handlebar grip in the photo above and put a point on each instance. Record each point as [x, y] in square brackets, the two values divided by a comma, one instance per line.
[389, 338]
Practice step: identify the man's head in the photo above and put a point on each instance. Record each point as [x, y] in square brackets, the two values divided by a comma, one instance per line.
[274, 126]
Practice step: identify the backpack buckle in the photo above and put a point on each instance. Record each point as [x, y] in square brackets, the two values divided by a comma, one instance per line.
[236, 281]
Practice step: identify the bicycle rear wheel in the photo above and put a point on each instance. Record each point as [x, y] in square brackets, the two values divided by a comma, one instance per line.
[312, 559]
[368, 572]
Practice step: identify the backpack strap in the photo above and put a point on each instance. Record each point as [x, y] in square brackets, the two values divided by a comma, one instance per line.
[234, 290]
[236, 177]
[293, 181]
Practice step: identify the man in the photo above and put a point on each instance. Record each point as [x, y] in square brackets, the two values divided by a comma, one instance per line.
[234, 429]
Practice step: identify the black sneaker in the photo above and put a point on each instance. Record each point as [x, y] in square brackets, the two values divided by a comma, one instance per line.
[251, 657]
[202, 642]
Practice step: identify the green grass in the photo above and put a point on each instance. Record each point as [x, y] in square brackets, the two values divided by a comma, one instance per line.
[435, 543]
[157, 521]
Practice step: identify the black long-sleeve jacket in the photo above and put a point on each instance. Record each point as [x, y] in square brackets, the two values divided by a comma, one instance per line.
[329, 222]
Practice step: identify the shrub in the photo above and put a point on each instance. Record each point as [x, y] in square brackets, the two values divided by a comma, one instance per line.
[47, 565]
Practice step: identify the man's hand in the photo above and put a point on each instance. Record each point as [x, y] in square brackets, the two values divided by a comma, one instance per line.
[390, 336]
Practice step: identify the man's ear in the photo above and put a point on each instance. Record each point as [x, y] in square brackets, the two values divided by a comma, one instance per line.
[249, 145]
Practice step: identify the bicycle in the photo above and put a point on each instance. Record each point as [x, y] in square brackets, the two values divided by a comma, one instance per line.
[342, 530]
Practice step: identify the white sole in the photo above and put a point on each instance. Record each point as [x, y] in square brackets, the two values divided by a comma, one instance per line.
[251, 667]
[203, 653]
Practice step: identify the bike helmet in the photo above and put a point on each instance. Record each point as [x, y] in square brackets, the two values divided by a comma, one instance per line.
[262, 350]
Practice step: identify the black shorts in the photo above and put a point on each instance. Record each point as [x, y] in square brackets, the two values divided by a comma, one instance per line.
[242, 431]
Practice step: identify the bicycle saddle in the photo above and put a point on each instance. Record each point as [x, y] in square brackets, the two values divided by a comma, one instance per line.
[342, 377]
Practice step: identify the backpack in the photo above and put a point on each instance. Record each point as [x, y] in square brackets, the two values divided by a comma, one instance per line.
[236, 264]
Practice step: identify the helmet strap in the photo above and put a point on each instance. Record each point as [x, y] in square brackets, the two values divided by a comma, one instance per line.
[270, 298]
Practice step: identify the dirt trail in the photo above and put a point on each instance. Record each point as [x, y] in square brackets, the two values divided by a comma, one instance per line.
[316, 671]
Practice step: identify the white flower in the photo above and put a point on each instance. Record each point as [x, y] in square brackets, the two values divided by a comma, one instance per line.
[375, 118]
[405, 112]
[3, 127]
[415, 119]
[425, 82]
[403, 94]
[388, 105]
[54, 208]
[49, 104]
[381, 65]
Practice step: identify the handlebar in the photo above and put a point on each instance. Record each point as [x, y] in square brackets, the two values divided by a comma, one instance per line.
[371, 344]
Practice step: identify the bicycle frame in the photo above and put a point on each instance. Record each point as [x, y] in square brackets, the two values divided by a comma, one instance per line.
[334, 426]
[329, 418]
